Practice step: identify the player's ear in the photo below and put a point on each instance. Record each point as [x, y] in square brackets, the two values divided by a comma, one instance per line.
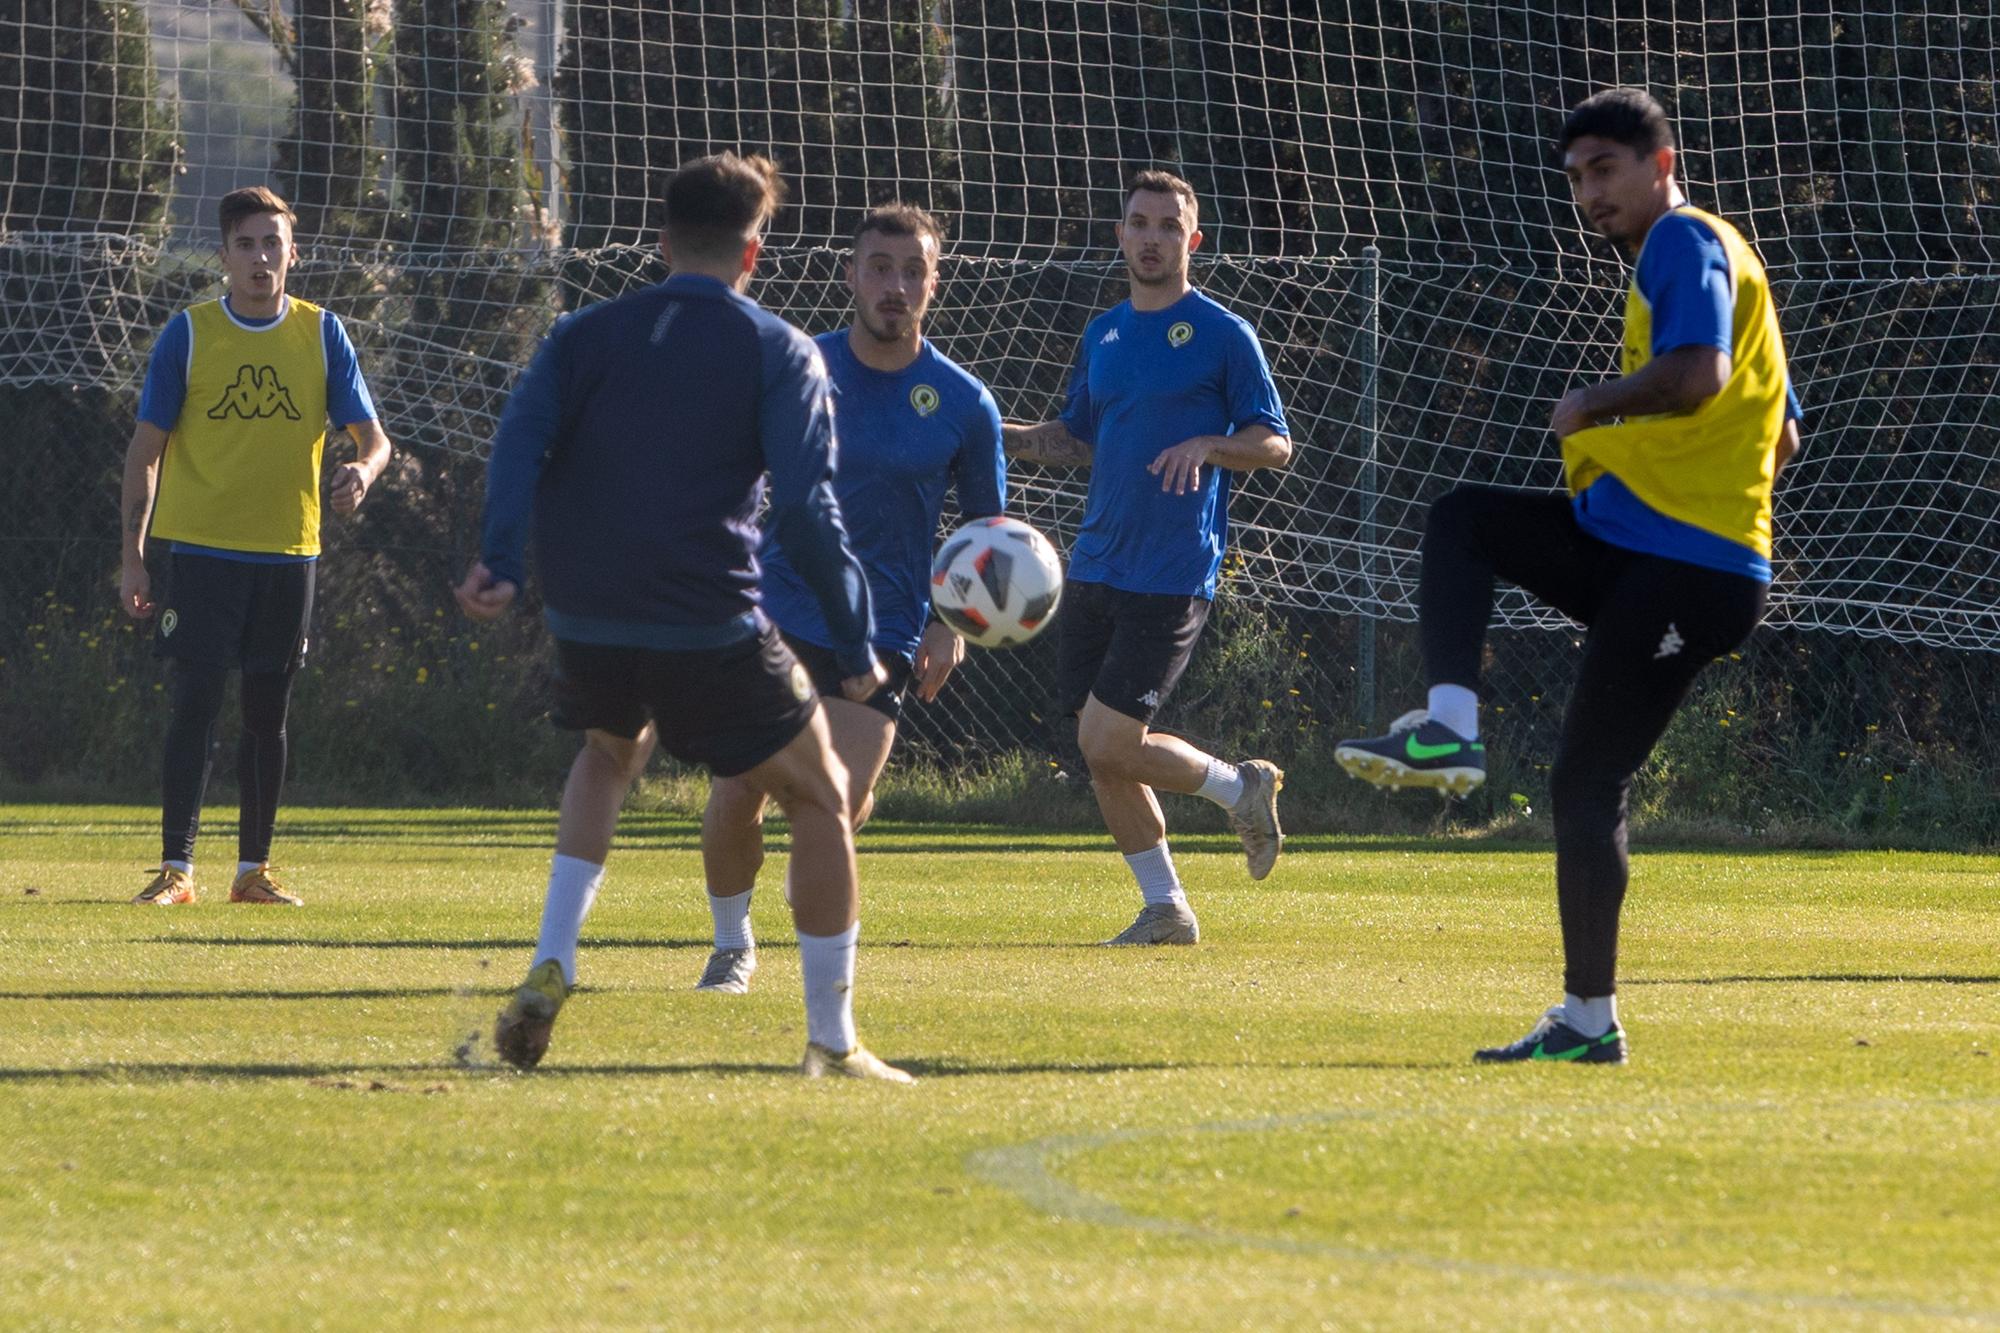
[666, 247]
[751, 249]
[1664, 161]
[1194, 241]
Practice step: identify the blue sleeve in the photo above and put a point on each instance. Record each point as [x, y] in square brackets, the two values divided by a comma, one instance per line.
[529, 427]
[1079, 418]
[1253, 394]
[979, 468]
[347, 396]
[166, 375]
[1793, 412]
[795, 425]
[1684, 276]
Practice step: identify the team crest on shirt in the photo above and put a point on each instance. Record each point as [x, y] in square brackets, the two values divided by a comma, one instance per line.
[168, 622]
[257, 393]
[802, 682]
[1180, 335]
[924, 399]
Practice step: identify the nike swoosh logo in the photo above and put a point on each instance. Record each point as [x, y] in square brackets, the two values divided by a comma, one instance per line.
[1416, 749]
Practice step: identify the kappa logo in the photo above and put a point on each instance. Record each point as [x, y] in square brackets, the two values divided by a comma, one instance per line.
[924, 399]
[256, 394]
[1151, 698]
[1108, 339]
[1181, 334]
[1671, 642]
[664, 322]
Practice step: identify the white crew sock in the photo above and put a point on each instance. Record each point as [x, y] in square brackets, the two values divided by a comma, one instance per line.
[1456, 707]
[245, 867]
[1154, 869]
[827, 962]
[572, 889]
[185, 867]
[1593, 1017]
[1223, 785]
[732, 921]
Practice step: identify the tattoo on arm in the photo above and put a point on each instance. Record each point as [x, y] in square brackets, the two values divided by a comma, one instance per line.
[1049, 444]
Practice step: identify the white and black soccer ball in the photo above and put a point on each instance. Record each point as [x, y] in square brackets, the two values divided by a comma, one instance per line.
[996, 582]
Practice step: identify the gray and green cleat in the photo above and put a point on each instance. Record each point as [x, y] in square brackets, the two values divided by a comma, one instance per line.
[521, 1034]
[1418, 752]
[1554, 1039]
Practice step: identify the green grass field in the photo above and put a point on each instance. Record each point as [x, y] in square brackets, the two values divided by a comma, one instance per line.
[255, 1118]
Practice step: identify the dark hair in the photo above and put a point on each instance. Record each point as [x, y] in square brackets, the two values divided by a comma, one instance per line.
[1161, 182]
[248, 202]
[1627, 116]
[714, 204]
[899, 219]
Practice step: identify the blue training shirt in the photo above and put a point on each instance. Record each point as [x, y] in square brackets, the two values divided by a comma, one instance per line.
[1684, 276]
[636, 446]
[903, 438]
[1144, 382]
[347, 398]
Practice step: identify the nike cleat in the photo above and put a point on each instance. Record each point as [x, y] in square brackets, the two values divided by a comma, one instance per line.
[1554, 1039]
[857, 1063]
[1160, 923]
[257, 886]
[1417, 752]
[728, 971]
[170, 888]
[1254, 817]
[521, 1034]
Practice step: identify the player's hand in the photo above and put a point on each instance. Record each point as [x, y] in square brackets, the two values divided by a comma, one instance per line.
[1179, 468]
[350, 484]
[135, 590]
[482, 596]
[938, 655]
[1572, 414]
[860, 689]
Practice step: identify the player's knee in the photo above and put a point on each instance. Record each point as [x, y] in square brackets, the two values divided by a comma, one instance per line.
[733, 803]
[1451, 513]
[1582, 797]
[627, 755]
[863, 809]
[1108, 748]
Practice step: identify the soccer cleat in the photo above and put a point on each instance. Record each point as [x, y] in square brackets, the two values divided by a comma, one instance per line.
[1554, 1039]
[728, 971]
[170, 888]
[1254, 817]
[857, 1063]
[257, 886]
[521, 1033]
[1160, 923]
[1418, 752]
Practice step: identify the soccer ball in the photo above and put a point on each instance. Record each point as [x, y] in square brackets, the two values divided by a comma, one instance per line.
[996, 582]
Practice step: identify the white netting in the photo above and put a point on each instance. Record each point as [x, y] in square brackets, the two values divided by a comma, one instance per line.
[1379, 189]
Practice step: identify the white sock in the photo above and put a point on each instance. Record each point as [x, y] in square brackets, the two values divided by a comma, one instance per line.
[572, 889]
[732, 921]
[245, 867]
[828, 964]
[1593, 1017]
[1223, 785]
[1456, 707]
[185, 867]
[1154, 869]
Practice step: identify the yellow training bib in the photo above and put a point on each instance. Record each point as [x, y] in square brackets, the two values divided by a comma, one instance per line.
[241, 470]
[1712, 467]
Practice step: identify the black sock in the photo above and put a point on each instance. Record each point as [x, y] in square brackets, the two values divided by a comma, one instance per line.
[260, 760]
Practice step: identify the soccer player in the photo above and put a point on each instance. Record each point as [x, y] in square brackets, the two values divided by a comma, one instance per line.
[1170, 395]
[225, 462]
[912, 423]
[636, 444]
[1662, 547]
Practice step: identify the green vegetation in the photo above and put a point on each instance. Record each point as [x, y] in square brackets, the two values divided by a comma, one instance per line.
[255, 1118]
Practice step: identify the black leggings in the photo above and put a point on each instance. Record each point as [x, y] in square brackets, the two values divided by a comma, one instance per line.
[260, 757]
[1653, 625]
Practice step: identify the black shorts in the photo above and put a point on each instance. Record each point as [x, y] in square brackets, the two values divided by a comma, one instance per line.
[827, 675]
[1127, 648]
[235, 613]
[728, 709]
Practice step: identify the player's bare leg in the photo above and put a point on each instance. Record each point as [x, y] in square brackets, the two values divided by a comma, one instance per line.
[732, 838]
[809, 783]
[601, 775]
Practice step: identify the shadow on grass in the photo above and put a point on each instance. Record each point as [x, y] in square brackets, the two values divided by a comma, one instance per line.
[778, 944]
[1803, 978]
[168, 1073]
[385, 993]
